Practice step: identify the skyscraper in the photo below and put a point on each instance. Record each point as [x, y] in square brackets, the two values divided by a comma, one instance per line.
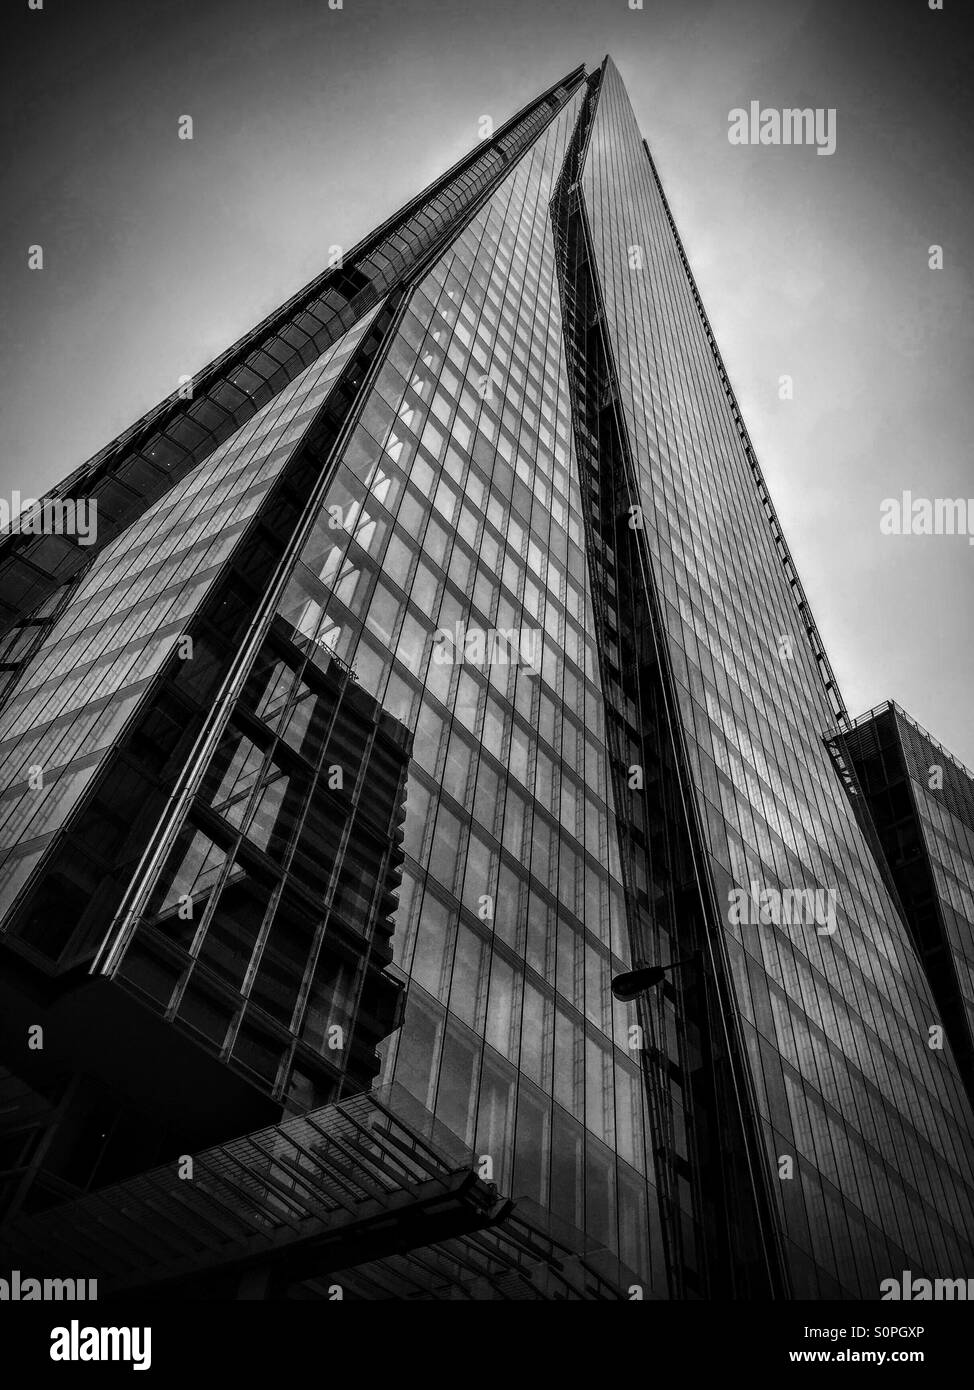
[467, 538]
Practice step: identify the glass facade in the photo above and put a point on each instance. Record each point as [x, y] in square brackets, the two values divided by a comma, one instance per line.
[835, 1024]
[82, 686]
[461, 496]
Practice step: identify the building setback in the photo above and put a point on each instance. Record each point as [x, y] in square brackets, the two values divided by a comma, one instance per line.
[438, 661]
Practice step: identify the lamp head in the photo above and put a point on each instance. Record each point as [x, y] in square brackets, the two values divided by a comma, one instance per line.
[634, 982]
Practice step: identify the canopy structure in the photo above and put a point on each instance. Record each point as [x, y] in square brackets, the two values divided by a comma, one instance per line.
[367, 1198]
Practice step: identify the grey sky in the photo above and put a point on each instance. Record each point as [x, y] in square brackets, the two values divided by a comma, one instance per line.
[312, 125]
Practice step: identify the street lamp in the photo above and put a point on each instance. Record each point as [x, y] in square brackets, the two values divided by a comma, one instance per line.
[635, 982]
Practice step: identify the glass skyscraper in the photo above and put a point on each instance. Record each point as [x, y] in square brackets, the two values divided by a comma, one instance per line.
[439, 660]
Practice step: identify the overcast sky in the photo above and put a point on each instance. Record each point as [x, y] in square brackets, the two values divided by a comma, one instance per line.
[312, 125]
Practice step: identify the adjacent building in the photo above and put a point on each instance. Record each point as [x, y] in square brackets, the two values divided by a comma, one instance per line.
[920, 804]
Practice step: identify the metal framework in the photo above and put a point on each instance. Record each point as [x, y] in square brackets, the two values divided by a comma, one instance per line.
[369, 1194]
